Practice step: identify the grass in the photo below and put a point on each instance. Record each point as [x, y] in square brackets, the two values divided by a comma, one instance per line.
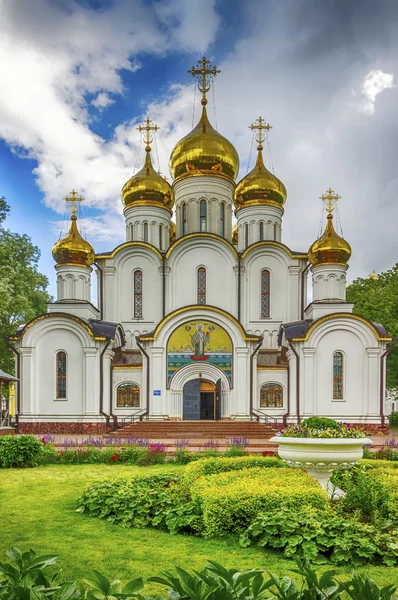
[38, 511]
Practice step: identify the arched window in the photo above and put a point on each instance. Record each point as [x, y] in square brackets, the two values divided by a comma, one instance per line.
[261, 227]
[201, 285]
[338, 374]
[246, 235]
[60, 367]
[265, 293]
[160, 237]
[275, 231]
[184, 219]
[132, 232]
[203, 215]
[128, 395]
[222, 219]
[145, 232]
[271, 395]
[137, 294]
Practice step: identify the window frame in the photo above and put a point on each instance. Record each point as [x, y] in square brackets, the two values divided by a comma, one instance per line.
[201, 296]
[203, 218]
[161, 237]
[138, 294]
[222, 219]
[265, 314]
[184, 218]
[59, 378]
[338, 378]
[133, 385]
[145, 232]
[261, 231]
[276, 388]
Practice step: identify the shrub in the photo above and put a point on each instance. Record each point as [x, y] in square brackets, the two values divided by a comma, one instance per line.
[23, 451]
[321, 423]
[393, 418]
[211, 466]
[231, 500]
[147, 501]
[321, 536]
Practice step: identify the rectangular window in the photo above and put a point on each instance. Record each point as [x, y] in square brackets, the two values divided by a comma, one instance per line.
[338, 376]
[61, 375]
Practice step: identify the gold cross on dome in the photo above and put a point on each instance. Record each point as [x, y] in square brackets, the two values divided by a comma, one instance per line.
[260, 125]
[330, 198]
[204, 71]
[147, 127]
[73, 198]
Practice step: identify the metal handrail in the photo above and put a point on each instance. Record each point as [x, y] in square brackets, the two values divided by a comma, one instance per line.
[266, 418]
[133, 418]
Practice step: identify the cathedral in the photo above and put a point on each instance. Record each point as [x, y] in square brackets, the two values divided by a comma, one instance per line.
[198, 319]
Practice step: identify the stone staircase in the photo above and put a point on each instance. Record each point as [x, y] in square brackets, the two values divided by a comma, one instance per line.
[197, 435]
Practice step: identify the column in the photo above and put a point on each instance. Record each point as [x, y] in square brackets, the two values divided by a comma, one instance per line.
[91, 382]
[157, 379]
[28, 399]
[295, 296]
[106, 397]
[291, 357]
[371, 401]
[241, 404]
[308, 391]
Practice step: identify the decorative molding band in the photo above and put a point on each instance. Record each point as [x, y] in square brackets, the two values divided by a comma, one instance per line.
[342, 316]
[191, 236]
[125, 367]
[56, 315]
[277, 245]
[271, 368]
[130, 245]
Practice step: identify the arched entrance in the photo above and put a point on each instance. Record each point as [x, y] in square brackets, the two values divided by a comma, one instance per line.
[201, 400]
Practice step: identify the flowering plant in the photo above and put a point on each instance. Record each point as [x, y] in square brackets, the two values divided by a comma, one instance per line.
[305, 431]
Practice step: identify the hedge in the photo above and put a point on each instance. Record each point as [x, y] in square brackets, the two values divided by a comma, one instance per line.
[212, 466]
[23, 451]
[231, 500]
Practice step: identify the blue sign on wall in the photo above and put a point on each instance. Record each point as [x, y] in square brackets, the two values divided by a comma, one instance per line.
[156, 392]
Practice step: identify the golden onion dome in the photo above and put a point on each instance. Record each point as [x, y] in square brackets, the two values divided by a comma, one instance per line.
[73, 249]
[204, 152]
[330, 247]
[235, 234]
[172, 232]
[148, 188]
[260, 187]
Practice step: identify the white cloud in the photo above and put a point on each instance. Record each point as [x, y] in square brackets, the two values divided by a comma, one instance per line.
[102, 100]
[374, 83]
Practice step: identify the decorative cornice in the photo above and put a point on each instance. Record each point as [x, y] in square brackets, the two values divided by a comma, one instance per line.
[271, 368]
[204, 173]
[342, 316]
[276, 244]
[151, 203]
[191, 236]
[130, 245]
[263, 203]
[57, 315]
[125, 367]
[199, 307]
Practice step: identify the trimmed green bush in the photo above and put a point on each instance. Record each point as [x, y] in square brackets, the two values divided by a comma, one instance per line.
[230, 501]
[23, 451]
[211, 466]
[321, 423]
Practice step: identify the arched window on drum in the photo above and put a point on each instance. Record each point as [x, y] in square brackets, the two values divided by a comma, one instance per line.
[271, 395]
[61, 373]
[128, 395]
[265, 293]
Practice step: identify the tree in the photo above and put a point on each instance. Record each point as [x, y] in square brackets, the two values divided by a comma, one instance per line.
[23, 289]
[376, 299]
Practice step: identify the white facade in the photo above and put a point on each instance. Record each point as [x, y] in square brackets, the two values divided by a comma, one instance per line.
[253, 294]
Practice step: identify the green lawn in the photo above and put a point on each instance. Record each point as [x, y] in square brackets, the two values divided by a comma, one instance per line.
[37, 508]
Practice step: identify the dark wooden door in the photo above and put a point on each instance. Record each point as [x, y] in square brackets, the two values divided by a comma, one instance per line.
[207, 406]
[218, 400]
[191, 400]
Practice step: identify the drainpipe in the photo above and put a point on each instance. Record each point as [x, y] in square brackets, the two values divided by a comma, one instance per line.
[101, 291]
[287, 413]
[297, 383]
[164, 284]
[256, 349]
[239, 290]
[137, 339]
[114, 417]
[104, 414]
[382, 368]
[303, 290]
[18, 376]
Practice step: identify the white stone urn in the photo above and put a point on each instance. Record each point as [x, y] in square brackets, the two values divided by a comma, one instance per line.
[320, 456]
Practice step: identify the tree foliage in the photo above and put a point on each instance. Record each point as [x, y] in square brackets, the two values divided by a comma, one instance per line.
[23, 289]
[376, 299]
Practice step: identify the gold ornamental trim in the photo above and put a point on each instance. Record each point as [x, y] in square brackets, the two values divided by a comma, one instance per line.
[329, 262]
[260, 203]
[273, 243]
[191, 236]
[82, 266]
[271, 368]
[201, 307]
[130, 245]
[126, 367]
[153, 203]
[204, 173]
[56, 315]
[342, 316]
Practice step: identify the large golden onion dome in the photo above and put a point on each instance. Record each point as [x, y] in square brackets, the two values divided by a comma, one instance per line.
[330, 247]
[259, 187]
[73, 249]
[147, 187]
[204, 152]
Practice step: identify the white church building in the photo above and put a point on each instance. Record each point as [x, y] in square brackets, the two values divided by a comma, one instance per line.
[197, 319]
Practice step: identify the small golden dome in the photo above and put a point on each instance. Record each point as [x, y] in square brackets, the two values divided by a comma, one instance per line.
[172, 232]
[259, 187]
[235, 234]
[148, 187]
[204, 152]
[73, 249]
[330, 248]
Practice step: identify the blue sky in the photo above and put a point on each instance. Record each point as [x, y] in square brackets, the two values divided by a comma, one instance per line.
[78, 76]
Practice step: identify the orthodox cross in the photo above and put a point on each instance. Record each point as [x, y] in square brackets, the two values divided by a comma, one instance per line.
[260, 125]
[330, 198]
[204, 71]
[147, 127]
[73, 198]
